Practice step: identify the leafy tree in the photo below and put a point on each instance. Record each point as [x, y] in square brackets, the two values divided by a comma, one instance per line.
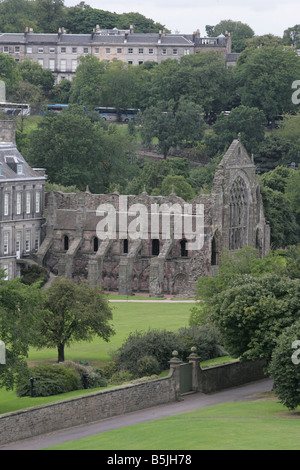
[284, 368]
[253, 312]
[291, 36]
[280, 205]
[240, 33]
[72, 312]
[50, 14]
[82, 19]
[243, 120]
[84, 153]
[264, 40]
[34, 73]
[9, 73]
[87, 84]
[16, 15]
[19, 306]
[181, 187]
[264, 78]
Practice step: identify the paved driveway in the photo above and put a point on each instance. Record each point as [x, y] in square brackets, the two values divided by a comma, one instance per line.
[190, 403]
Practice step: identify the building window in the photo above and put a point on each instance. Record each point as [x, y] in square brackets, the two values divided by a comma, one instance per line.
[27, 241]
[28, 203]
[29, 50]
[74, 50]
[107, 50]
[37, 201]
[130, 62]
[5, 49]
[52, 65]
[74, 65]
[96, 50]
[19, 203]
[20, 169]
[5, 243]
[40, 50]
[85, 50]
[186, 52]
[37, 240]
[63, 65]
[18, 243]
[141, 50]
[151, 51]
[0, 169]
[130, 50]
[175, 51]
[155, 247]
[238, 214]
[183, 250]
[125, 246]
[41, 62]
[119, 50]
[95, 244]
[51, 50]
[63, 49]
[6, 204]
[66, 242]
[141, 62]
[164, 52]
[17, 49]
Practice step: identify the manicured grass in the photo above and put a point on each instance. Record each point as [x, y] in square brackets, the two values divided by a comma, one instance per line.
[127, 318]
[255, 425]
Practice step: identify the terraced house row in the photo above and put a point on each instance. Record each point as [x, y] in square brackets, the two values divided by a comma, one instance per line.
[60, 52]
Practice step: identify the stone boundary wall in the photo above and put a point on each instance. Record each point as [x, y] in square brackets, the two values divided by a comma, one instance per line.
[85, 409]
[96, 406]
[229, 375]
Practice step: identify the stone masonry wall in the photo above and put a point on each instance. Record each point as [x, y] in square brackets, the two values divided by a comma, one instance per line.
[85, 409]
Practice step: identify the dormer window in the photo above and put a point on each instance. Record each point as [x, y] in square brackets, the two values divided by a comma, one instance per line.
[20, 169]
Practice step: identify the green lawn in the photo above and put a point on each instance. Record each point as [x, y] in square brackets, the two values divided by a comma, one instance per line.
[256, 425]
[127, 317]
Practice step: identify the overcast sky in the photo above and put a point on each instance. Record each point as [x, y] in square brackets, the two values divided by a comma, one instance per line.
[185, 16]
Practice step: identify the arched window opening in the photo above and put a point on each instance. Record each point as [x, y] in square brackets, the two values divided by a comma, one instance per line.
[238, 215]
[155, 247]
[66, 242]
[95, 244]
[214, 257]
[183, 250]
[125, 246]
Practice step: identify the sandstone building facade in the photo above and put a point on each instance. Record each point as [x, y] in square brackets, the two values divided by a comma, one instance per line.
[60, 52]
[156, 264]
[22, 195]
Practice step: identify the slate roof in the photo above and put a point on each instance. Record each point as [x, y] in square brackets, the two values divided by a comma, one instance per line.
[9, 157]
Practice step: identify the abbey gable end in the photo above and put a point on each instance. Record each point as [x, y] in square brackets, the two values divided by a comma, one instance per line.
[155, 244]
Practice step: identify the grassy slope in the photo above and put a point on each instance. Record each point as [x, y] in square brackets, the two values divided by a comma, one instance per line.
[258, 425]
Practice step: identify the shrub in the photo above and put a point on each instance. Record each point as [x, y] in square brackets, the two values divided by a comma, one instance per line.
[147, 365]
[206, 339]
[53, 379]
[157, 344]
[285, 369]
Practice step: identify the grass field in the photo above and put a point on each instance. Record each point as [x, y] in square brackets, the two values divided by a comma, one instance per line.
[256, 425]
[127, 318]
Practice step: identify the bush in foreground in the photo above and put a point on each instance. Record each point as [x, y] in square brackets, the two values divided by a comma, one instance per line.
[53, 379]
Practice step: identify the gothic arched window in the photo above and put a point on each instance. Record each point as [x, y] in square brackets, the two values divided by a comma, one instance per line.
[238, 205]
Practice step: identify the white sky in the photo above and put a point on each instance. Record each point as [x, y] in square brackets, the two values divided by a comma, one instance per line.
[185, 16]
